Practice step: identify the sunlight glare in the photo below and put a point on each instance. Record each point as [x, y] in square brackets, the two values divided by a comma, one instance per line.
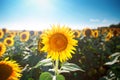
[42, 4]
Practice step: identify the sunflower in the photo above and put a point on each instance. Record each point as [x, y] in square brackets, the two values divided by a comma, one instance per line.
[24, 36]
[59, 43]
[115, 32]
[104, 30]
[87, 32]
[108, 36]
[9, 41]
[2, 49]
[9, 70]
[40, 45]
[35, 33]
[111, 29]
[11, 34]
[32, 33]
[76, 33]
[39, 32]
[4, 30]
[95, 33]
[1, 33]
[119, 32]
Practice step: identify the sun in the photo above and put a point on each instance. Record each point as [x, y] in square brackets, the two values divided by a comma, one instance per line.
[59, 43]
[43, 5]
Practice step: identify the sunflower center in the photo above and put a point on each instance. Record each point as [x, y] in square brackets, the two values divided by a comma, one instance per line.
[0, 33]
[32, 32]
[5, 71]
[115, 33]
[108, 36]
[75, 33]
[88, 32]
[8, 41]
[58, 42]
[0, 48]
[24, 36]
[4, 30]
[95, 33]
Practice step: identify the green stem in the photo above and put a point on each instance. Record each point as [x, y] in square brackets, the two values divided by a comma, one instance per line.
[56, 67]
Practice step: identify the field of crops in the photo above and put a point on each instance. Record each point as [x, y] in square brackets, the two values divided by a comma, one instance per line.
[60, 53]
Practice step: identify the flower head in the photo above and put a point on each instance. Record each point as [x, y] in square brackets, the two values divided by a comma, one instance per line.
[95, 33]
[59, 43]
[24, 36]
[40, 45]
[77, 33]
[1, 33]
[12, 34]
[108, 36]
[2, 49]
[9, 41]
[4, 30]
[9, 70]
[87, 32]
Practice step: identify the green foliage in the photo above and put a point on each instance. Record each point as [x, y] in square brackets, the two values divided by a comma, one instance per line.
[114, 66]
[30, 79]
[70, 67]
[45, 76]
[94, 58]
[115, 60]
[60, 77]
[45, 62]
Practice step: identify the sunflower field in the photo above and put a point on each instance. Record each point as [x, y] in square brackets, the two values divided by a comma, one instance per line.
[60, 53]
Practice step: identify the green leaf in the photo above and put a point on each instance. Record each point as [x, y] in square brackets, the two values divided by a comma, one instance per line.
[118, 46]
[60, 77]
[71, 67]
[113, 62]
[30, 79]
[116, 58]
[115, 54]
[45, 62]
[45, 76]
[64, 71]
[60, 71]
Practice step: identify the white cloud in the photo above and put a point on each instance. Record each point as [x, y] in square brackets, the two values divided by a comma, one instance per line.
[104, 20]
[94, 20]
[26, 25]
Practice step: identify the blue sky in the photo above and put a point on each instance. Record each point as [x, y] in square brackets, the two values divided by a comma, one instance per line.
[41, 14]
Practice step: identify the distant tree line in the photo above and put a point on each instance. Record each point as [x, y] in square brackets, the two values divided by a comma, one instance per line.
[115, 25]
